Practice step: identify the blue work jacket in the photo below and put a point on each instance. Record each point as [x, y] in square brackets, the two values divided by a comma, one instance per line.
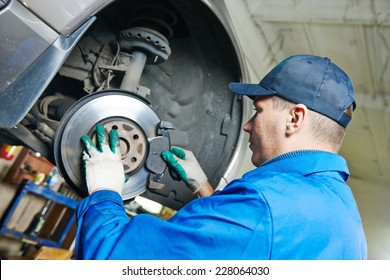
[295, 206]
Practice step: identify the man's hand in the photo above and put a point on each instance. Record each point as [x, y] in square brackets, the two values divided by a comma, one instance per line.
[183, 165]
[102, 164]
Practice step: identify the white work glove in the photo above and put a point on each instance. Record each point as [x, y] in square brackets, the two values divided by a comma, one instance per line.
[183, 165]
[102, 163]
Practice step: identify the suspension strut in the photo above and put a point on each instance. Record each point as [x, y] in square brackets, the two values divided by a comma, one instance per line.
[144, 46]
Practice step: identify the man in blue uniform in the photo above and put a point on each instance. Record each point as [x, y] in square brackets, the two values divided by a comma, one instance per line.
[294, 205]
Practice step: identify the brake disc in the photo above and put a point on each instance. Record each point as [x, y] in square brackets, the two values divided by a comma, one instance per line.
[135, 121]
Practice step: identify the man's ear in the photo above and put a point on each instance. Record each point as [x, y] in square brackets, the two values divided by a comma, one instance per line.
[297, 118]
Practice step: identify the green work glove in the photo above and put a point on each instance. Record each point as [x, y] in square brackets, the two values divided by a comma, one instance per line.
[102, 164]
[183, 165]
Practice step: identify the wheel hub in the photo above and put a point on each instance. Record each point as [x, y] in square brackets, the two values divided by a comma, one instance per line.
[133, 143]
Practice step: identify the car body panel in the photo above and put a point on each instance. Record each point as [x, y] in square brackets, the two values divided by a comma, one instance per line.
[32, 53]
[73, 13]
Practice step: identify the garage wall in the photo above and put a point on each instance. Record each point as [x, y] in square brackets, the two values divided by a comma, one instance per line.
[355, 35]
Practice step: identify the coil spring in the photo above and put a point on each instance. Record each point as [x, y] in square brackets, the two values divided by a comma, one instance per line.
[156, 17]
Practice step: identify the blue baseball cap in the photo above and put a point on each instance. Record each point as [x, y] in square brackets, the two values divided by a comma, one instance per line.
[310, 80]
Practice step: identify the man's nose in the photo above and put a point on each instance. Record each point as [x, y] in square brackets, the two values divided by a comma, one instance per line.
[248, 126]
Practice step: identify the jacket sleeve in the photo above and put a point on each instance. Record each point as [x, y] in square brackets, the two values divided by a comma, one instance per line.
[101, 219]
[232, 224]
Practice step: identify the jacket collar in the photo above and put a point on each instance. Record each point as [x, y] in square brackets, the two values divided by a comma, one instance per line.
[304, 162]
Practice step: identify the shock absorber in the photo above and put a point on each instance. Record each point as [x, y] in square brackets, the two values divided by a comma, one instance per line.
[145, 41]
[144, 46]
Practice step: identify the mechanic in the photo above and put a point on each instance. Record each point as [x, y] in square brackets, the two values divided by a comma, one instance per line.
[294, 205]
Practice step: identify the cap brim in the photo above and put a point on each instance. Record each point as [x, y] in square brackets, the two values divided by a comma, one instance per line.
[250, 90]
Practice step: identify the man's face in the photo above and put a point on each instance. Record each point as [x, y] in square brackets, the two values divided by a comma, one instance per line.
[265, 130]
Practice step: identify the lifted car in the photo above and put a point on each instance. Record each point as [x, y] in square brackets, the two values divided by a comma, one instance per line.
[155, 70]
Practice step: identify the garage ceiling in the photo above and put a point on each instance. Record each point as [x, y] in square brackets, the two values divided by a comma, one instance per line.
[356, 36]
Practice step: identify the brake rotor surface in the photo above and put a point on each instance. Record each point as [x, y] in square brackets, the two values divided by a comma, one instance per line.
[135, 122]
